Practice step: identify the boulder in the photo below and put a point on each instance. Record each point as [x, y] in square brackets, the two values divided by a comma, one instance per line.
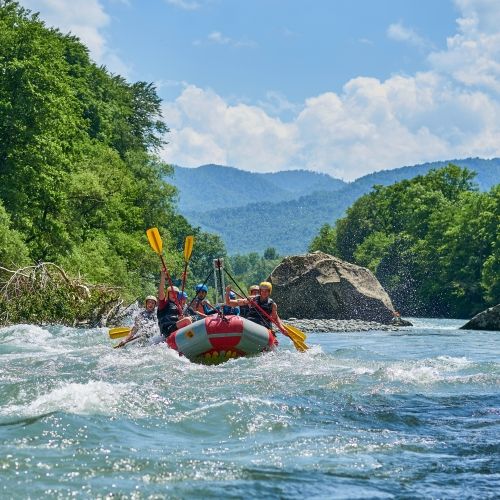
[485, 320]
[320, 286]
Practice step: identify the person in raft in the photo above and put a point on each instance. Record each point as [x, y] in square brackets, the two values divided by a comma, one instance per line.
[145, 323]
[200, 306]
[264, 301]
[234, 310]
[169, 318]
[252, 292]
[182, 298]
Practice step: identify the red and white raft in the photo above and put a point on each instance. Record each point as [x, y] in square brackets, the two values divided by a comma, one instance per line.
[216, 339]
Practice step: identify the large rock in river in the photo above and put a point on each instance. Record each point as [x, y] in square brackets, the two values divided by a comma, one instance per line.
[320, 286]
[486, 320]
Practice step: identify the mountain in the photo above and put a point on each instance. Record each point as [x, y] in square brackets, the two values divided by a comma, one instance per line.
[216, 186]
[290, 224]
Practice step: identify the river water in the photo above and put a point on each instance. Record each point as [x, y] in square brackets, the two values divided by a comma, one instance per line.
[407, 414]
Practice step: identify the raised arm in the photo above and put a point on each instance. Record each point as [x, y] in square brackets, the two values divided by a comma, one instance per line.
[161, 288]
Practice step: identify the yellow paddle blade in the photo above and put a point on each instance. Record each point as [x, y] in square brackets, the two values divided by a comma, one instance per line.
[154, 239]
[119, 332]
[292, 330]
[188, 248]
[299, 345]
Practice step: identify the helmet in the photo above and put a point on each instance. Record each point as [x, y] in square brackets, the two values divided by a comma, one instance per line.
[266, 284]
[172, 289]
[182, 295]
[201, 288]
[150, 297]
[232, 295]
[253, 287]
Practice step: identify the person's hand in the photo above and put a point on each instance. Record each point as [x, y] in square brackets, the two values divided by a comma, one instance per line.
[121, 344]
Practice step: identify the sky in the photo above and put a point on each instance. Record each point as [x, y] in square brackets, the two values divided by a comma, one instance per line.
[345, 87]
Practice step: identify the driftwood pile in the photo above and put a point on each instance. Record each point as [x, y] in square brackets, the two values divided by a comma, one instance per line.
[44, 294]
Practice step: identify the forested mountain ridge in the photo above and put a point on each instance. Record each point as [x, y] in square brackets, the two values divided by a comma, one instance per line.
[290, 225]
[210, 186]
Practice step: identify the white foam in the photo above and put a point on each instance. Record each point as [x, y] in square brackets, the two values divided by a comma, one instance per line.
[94, 397]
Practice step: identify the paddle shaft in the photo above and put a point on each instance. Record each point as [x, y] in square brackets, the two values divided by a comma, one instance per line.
[126, 342]
[179, 309]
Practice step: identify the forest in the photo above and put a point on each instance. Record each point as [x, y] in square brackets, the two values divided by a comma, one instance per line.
[432, 241]
[80, 176]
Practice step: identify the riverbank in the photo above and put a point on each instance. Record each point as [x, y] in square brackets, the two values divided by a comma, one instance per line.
[339, 325]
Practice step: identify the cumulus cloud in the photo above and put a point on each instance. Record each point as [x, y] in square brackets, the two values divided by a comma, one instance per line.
[451, 110]
[87, 20]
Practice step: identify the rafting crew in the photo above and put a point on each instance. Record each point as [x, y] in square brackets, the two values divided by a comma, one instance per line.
[259, 302]
[145, 323]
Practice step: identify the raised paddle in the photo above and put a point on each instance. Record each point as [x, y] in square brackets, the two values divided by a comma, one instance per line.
[119, 332]
[296, 340]
[188, 250]
[156, 244]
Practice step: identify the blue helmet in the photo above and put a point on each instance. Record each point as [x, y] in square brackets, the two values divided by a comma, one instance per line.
[232, 295]
[182, 295]
[201, 288]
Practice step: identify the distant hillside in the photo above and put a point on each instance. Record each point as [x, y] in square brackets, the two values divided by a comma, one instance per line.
[216, 186]
[290, 225]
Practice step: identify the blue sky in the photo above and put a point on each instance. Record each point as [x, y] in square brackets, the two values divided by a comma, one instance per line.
[343, 87]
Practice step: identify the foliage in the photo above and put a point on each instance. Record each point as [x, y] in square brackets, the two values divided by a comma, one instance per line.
[12, 250]
[432, 242]
[80, 177]
[252, 268]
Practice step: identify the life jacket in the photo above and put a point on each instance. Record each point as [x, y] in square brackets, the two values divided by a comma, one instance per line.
[256, 316]
[167, 318]
[230, 310]
[207, 308]
[244, 310]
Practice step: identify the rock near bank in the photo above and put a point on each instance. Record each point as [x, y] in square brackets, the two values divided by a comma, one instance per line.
[320, 286]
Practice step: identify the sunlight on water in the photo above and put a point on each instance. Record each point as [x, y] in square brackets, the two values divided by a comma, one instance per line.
[411, 413]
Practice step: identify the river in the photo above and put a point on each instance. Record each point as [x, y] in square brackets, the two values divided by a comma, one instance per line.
[408, 414]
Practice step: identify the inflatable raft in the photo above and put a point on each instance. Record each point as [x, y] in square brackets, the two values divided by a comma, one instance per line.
[215, 339]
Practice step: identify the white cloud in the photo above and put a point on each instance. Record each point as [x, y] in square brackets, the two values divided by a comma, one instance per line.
[216, 37]
[401, 33]
[87, 20]
[452, 110]
[184, 4]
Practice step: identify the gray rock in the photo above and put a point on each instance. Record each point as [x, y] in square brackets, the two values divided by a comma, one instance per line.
[320, 286]
[338, 325]
[485, 320]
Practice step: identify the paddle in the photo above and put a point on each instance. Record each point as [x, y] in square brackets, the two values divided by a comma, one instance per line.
[188, 250]
[297, 341]
[125, 343]
[119, 332]
[295, 331]
[156, 244]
